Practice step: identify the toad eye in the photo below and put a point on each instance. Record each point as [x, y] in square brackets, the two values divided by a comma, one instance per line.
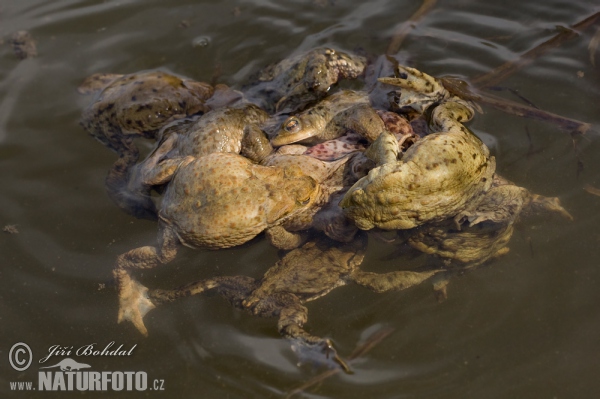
[306, 193]
[302, 201]
[292, 125]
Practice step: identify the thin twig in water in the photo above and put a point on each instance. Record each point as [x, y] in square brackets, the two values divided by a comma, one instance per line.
[579, 167]
[371, 342]
[515, 93]
[530, 242]
[506, 69]
[593, 46]
[462, 90]
[575, 138]
[574, 127]
[402, 31]
[360, 350]
[515, 108]
[592, 189]
[531, 149]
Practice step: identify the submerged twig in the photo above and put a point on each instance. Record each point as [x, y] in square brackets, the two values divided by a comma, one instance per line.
[461, 89]
[373, 340]
[574, 127]
[515, 93]
[592, 190]
[530, 242]
[593, 46]
[506, 69]
[511, 107]
[531, 149]
[402, 31]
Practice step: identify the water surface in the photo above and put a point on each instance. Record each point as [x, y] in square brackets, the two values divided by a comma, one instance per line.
[526, 325]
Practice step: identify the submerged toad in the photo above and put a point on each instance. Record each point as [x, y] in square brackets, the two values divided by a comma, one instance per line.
[436, 176]
[302, 275]
[137, 105]
[299, 80]
[482, 230]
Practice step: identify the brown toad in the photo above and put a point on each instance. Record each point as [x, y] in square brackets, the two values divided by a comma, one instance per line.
[330, 119]
[482, 230]
[219, 130]
[302, 275]
[215, 201]
[331, 178]
[137, 105]
[335, 177]
[436, 176]
[299, 80]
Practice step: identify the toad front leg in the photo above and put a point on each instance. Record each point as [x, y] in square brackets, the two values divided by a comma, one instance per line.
[133, 297]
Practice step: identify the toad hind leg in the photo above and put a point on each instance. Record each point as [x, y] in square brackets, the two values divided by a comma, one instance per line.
[233, 288]
[398, 280]
[292, 316]
[133, 297]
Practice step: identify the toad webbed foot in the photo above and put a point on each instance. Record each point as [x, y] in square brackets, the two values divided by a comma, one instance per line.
[134, 302]
[319, 352]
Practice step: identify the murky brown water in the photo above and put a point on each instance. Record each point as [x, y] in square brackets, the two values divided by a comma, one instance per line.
[525, 326]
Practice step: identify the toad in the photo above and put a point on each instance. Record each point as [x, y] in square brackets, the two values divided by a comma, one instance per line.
[482, 230]
[300, 80]
[436, 176]
[330, 119]
[335, 177]
[302, 275]
[137, 105]
[216, 201]
[219, 130]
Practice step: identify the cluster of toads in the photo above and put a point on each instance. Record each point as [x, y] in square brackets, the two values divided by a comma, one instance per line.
[310, 169]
